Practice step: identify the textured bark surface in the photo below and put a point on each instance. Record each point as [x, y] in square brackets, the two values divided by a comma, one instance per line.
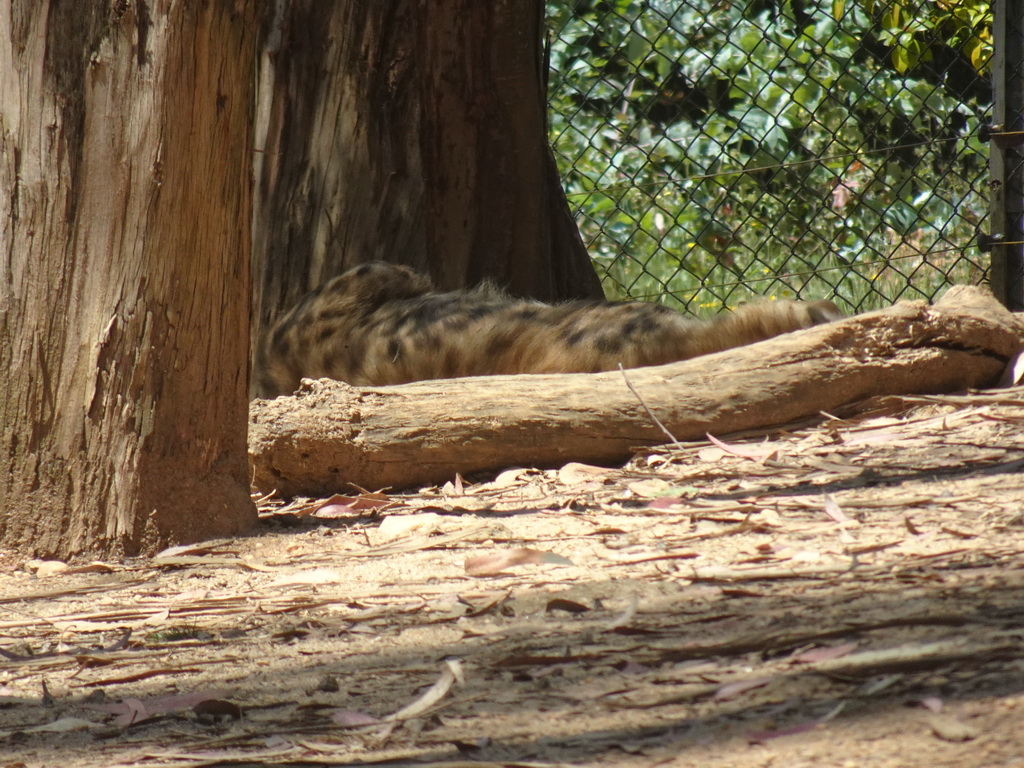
[125, 199]
[415, 133]
[330, 434]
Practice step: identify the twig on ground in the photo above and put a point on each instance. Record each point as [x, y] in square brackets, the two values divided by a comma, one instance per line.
[650, 414]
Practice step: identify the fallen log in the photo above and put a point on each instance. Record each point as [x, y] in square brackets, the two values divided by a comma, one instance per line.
[330, 434]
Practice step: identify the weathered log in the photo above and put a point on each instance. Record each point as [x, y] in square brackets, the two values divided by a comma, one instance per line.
[331, 434]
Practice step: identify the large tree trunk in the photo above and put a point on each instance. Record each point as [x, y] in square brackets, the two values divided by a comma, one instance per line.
[124, 283]
[330, 434]
[412, 132]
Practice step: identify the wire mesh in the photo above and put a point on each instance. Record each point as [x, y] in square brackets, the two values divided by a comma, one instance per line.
[717, 150]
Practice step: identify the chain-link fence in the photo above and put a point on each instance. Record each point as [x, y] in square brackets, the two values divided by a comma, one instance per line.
[715, 150]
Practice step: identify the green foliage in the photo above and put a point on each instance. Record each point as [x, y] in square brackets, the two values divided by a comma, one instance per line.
[915, 32]
[716, 151]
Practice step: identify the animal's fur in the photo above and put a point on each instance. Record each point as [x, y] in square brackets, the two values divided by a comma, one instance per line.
[385, 324]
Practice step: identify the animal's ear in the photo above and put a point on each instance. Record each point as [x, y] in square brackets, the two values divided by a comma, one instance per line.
[377, 281]
[823, 311]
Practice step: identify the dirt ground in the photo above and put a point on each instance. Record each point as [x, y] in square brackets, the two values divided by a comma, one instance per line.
[846, 593]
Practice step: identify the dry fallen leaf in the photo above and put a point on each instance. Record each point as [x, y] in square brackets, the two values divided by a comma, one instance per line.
[755, 452]
[627, 616]
[824, 654]
[833, 510]
[507, 479]
[94, 567]
[157, 619]
[63, 725]
[451, 674]
[1014, 373]
[932, 704]
[729, 690]
[575, 473]
[395, 527]
[201, 548]
[347, 718]
[352, 506]
[44, 568]
[333, 512]
[134, 710]
[949, 728]
[911, 527]
[959, 533]
[654, 488]
[758, 737]
[569, 606]
[665, 502]
[490, 565]
[313, 576]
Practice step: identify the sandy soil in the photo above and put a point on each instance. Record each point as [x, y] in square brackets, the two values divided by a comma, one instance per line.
[848, 593]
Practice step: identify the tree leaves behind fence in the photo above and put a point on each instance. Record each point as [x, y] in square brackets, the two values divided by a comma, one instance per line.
[717, 150]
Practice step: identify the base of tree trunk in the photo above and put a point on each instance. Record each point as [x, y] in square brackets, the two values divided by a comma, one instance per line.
[329, 434]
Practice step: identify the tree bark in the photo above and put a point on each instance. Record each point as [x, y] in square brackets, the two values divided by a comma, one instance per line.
[411, 132]
[330, 434]
[125, 204]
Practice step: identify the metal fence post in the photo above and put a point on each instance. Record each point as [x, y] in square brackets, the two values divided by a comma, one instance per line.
[1006, 157]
